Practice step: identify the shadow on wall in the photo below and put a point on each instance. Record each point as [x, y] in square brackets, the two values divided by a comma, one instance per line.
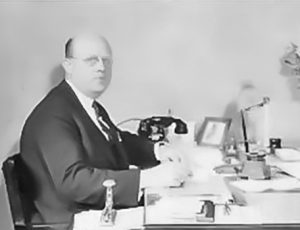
[293, 80]
[294, 84]
[248, 95]
[14, 149]
[5, 217]
[232, 111]
[56, 76]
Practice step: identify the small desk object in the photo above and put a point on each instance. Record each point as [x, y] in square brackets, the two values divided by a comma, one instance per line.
[108, 214]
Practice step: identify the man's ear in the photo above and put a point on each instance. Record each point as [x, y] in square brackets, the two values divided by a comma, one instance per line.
[67, 65]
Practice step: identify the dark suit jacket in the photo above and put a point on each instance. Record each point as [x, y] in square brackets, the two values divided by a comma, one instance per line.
[68, 159]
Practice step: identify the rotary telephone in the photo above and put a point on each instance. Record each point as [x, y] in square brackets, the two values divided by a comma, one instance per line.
[155, 128]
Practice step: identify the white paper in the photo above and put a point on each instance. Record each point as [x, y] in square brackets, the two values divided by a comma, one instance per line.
[288, 154]
[292, 168]
[276, 184]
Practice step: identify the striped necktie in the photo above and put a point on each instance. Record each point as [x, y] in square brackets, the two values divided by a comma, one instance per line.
[104, 122]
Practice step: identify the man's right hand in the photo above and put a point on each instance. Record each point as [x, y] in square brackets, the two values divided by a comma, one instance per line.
[168, 174]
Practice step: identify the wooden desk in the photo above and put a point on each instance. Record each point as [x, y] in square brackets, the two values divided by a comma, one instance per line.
[268, 210]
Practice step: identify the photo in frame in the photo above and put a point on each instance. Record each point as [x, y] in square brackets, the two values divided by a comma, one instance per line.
[213, 131]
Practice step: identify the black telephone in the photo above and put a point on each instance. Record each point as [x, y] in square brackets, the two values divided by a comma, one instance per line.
[155, 128]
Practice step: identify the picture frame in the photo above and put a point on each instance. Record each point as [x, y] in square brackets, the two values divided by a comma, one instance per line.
[213, 131]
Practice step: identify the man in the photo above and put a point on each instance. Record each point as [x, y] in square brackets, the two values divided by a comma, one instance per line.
[70, 146]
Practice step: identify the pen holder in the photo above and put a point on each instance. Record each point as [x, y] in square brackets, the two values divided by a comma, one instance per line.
[108, 214]
[255, 167]
[207, 212]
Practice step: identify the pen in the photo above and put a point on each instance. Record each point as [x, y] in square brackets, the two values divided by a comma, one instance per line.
[227, 209]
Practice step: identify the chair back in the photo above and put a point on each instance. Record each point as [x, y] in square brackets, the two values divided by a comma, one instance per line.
[19, 204]
[19, 189]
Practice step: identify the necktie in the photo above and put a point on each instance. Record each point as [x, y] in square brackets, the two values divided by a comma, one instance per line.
[113, 136]
[104, 122]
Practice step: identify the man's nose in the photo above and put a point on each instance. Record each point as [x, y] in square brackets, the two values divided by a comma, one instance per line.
[100, 65]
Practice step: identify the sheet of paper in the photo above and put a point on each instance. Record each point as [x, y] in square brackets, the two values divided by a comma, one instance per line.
[276, 184]
[180, 205]
[238, 215]
[131, 218]
[176, 209]
[288, 154]
[292, 168]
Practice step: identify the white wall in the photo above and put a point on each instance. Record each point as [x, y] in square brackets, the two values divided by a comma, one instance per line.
[190, 56]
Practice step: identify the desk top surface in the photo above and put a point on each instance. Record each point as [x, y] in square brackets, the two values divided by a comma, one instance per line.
[176, 207]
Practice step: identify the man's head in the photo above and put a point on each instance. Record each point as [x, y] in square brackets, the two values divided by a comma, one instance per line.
[88, 64]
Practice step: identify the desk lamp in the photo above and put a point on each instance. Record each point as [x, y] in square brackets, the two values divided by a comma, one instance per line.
[254, 167]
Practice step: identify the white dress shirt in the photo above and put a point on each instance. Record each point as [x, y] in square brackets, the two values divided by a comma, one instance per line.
[86, 103]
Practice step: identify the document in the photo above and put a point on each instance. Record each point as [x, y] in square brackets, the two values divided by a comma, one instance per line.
[181, 205]
[177, 209]
[283, 183]
[292, 168]
[131, 218]
[288, 154]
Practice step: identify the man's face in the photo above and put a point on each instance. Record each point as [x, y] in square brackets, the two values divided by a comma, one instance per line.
[91, 64]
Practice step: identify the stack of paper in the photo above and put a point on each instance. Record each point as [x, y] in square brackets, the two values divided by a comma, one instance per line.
[292, 168]
[177, 209]
[288, 154]
[276, 184]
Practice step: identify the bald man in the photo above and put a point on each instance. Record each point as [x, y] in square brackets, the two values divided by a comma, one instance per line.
[70, 146]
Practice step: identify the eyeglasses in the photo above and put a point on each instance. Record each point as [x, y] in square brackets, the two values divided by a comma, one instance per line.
[94, 60]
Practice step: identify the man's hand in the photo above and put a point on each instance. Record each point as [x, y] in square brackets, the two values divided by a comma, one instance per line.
[168, 153]
[165, 152]
[168, 174]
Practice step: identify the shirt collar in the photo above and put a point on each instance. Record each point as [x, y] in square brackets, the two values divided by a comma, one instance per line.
[84, 100]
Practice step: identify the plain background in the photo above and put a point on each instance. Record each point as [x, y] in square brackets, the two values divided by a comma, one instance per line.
[188, 56]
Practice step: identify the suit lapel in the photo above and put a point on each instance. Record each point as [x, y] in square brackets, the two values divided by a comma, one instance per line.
[79, 108]
[117, 153]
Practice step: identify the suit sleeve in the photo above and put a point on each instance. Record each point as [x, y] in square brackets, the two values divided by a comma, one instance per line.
[63, 155]
[139, 149]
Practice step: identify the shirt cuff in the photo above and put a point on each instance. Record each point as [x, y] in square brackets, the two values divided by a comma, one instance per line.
[157, 149]
[140, 194]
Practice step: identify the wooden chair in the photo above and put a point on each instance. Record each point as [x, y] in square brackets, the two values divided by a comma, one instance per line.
[21, 206]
